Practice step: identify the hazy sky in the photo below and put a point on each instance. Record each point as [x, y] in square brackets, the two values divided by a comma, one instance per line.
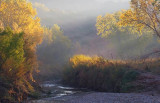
[65, 11]
[81, 5]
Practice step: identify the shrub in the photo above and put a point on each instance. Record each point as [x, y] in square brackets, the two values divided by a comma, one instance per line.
[15, 72]
[98, 74]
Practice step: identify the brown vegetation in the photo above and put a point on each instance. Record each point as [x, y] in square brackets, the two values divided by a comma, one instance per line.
[100, 74]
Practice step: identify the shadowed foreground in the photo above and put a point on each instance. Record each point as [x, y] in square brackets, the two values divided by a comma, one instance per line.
[116, 98]
[108, 98]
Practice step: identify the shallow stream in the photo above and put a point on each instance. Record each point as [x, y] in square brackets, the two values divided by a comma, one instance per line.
[56, 92]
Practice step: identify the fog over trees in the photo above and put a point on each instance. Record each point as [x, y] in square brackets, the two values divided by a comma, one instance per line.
[99, 45]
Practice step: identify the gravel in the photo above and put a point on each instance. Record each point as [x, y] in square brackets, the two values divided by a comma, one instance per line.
[115, 98]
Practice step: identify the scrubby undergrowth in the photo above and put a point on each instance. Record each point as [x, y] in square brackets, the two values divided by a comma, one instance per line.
[99, 74]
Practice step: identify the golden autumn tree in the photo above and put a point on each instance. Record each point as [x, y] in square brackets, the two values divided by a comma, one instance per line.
[144, 14]
[123, 37]
[107, 25]
[47, 36]
[12, 70]
[20, 16]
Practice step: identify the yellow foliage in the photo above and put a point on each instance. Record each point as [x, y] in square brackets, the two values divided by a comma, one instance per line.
[144, 14]
[110, 24]
[152, 63]
[18, 51]
[142, 17]
[47, 35]
[99, 62]
[20, 16]
[128, 18]
[106, 25]
[80, 59]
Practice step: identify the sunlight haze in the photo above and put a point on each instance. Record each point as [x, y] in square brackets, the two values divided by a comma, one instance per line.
[63, 11]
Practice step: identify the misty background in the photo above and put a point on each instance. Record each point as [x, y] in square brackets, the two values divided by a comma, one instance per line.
[77, 19]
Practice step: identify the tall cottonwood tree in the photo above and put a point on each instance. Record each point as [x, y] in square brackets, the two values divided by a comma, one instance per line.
[125, 40]
[144, 14]
[12, 66]
[20, 50]
[107, 25]
[20, 16]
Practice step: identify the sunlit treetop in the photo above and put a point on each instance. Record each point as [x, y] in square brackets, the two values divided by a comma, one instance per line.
[143, 17]
[144, 14]
[109, 25]
[51, 34]
[106, 25]
[21, 16]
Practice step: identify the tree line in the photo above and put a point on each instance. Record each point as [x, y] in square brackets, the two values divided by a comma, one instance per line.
[132, 32]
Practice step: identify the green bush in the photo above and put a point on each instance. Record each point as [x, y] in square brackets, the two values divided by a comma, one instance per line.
[15, 71]
[128, 77]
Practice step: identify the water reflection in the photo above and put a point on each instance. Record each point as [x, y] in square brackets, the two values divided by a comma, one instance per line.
[47, 85]
[56, 90]
[65, 87]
